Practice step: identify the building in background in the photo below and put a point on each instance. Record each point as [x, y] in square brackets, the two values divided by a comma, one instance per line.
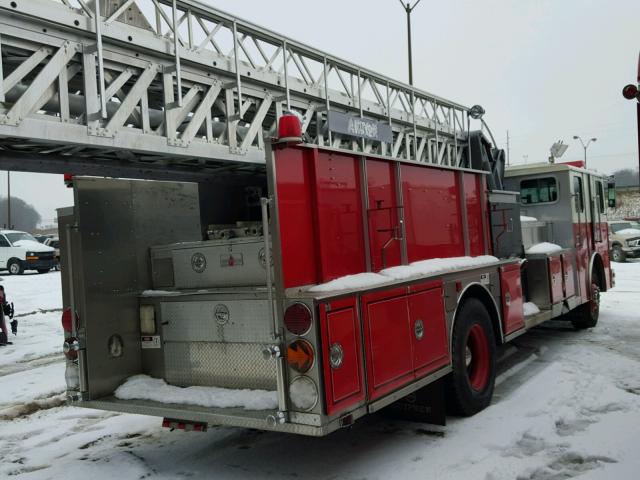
[628, 196]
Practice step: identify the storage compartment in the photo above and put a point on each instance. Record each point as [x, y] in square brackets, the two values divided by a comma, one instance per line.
[429, 339]
[512, 302]
[210, 263]
[568, 275]
[388, 339]
[212, 340]
[555, 274]
[340, 330]
[405, 336]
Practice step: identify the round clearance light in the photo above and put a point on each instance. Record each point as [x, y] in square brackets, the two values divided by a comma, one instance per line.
[300, 356]
[115, 346]
[336, 355]
[297, 318]
[303, 394]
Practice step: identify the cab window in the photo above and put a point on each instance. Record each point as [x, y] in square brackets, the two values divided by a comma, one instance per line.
[4, 242]
[600, 193]
[578, 195]
[538, 190]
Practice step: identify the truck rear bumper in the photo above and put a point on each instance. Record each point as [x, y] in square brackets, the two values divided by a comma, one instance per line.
[235, 417]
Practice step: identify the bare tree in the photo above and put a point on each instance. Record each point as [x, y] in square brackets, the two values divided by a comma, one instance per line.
[23, 216]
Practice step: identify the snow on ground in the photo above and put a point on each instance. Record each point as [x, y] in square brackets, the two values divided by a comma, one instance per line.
[33, 292]
[38, 309]
[566, 405]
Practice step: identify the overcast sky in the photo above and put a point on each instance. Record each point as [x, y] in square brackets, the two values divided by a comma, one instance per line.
[543, 69]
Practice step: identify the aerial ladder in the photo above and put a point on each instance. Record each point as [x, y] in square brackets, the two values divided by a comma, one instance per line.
[158, 86]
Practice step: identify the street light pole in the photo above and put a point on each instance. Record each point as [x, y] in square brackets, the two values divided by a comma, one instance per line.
[585, 146]
[409, 8]
[8, 199]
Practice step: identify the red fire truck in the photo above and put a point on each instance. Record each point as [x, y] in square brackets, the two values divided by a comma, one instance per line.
[274, 237]
[391, 282]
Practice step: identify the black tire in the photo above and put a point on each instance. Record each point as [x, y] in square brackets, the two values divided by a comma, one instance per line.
[470, 385]
[15, 267]
[43, 270]
[617, 255]
[587, 314]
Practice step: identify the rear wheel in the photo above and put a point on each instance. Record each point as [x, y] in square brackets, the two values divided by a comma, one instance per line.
[587, 314]
[617, 255]
[470, 385]
[15, 267]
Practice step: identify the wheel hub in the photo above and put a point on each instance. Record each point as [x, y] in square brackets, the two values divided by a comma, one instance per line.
[477, 358]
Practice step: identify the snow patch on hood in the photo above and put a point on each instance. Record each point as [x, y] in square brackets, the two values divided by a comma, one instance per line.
[31, 245]
[524, 218]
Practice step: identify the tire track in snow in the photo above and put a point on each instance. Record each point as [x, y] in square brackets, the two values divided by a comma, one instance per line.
[31, 364]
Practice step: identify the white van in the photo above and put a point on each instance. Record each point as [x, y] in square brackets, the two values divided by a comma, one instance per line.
[20, 251]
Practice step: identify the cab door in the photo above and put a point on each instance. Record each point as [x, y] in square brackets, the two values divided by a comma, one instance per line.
[4, 251]
[581, 221]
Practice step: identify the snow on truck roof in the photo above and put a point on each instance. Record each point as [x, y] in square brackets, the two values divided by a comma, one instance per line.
[545, 167]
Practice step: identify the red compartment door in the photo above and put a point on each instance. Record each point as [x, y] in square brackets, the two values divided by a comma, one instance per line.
[340, 326]
[512, 305]
[568, 275]
[555, 280]
[388, 342]
[429, 331]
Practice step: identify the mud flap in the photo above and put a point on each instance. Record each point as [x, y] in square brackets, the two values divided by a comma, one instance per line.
[426, 405]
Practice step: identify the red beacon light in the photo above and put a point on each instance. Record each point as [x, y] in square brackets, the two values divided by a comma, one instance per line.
[289, 129]
[68, 180]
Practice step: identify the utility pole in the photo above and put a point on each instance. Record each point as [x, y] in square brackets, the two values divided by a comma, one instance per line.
[8, 199]
[409, 8]
[507, 147]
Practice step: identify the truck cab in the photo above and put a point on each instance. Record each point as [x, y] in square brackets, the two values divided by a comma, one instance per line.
[565, 205]
[20, 251]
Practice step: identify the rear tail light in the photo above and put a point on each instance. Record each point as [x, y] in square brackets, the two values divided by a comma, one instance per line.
[303, 394]
[297, 318]
[67, 320]
[300, 356]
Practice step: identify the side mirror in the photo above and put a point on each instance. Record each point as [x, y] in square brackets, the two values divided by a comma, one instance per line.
[611, 194]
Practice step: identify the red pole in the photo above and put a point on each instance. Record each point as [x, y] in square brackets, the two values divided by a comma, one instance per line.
[638, 113]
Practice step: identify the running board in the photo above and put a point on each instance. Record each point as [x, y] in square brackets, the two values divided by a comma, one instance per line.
[537, 318]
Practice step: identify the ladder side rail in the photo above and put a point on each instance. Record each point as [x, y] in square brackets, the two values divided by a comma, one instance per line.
[309, 94]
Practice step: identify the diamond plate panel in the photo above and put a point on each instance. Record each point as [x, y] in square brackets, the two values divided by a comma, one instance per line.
[233, 321]
[230, 365]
